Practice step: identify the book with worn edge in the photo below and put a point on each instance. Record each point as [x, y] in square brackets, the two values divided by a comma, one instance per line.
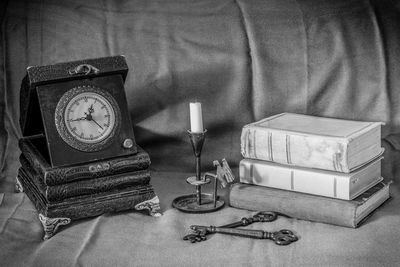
[345, 186]
[88, 205]
[61, 175]
[84, 187]
[347, 213]
[301, 147]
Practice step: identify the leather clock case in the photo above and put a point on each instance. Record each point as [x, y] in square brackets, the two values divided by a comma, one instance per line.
[43, 87]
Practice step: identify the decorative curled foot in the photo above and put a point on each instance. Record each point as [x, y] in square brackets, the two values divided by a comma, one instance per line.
[152, 205]
[51, 225]
[18, 186]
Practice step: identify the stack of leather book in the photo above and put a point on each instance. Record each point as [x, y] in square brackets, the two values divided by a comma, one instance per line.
[70, 175]
[312, 168]
[63, 194]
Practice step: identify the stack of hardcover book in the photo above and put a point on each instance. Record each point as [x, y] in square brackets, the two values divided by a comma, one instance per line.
[62, 194]
[312, 168]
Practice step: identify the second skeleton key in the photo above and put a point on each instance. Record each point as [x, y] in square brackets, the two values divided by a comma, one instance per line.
[283, 237]
[199, 234]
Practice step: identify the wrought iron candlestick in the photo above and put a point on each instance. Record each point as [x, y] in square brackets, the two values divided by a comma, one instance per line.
[197, 141]
[199, 202]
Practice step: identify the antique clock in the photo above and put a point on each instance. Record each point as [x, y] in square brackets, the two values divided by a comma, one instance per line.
[79, 156]
[87, 118]
[81, 110]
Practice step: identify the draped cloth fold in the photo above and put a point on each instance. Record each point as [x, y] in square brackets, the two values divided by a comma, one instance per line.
[244, 60]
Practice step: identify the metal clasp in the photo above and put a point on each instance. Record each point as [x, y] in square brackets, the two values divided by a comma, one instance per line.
[99, 167]
[84, 69]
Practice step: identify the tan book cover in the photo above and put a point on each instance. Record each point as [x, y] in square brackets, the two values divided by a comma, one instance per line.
[348, 213]
[313, 142]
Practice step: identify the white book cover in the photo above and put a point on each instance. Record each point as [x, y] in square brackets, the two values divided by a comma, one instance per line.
[318, 182]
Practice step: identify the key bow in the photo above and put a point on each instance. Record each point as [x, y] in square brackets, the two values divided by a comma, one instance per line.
[283, 237]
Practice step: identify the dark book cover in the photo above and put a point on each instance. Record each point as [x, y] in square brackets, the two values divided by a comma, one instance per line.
[83, 187]
[83, 206]
[348, 213]
[34, 150]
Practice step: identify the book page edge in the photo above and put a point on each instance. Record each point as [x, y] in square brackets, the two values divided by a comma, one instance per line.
[382, 195]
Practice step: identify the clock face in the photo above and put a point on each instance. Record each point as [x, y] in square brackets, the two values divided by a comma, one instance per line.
[87, 118]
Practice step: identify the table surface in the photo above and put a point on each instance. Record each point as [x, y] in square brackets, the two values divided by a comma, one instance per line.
[134, 239]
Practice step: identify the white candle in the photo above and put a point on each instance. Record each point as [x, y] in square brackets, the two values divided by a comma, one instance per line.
[196, 118]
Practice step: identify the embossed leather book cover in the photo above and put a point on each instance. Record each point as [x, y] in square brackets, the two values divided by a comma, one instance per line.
[83, 206]
[313, 142]
[34, 151]
[84, 187]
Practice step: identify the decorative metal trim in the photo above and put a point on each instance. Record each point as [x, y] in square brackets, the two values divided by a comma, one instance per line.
[84, 69]
[50, 225]
[152, 205]
[62, 128]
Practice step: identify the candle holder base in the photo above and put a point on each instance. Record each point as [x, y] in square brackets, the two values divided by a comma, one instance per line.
[188, 203]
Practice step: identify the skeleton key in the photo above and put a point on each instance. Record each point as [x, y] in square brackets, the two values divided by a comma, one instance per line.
[199, 234]
[263, 216]
[283, 237]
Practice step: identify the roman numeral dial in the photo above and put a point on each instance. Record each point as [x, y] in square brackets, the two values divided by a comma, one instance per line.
[89, 117]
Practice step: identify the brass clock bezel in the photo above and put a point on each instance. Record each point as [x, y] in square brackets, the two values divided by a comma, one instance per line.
[62, 128]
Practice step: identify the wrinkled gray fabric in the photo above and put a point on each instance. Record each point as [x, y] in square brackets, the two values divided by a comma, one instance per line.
[133, 239]
[244, 60]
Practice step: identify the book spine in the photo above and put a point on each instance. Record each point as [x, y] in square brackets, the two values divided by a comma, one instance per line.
[85, 187]
[32, 156]
[96, 169]
[291, 148]
[103, 204]
[92, 186]
[89, 205]
[293, 204]
[56, 176]
[322, 183]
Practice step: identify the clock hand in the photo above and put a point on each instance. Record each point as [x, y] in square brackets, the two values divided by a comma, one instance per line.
[78, 119]
[97, 123]
[89, 117]
[91, 109]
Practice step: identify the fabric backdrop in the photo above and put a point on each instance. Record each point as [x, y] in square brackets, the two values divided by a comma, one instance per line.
[244, 61]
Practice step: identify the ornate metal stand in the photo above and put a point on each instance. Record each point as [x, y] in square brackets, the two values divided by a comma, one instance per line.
[152, 205]
[50, 225]
[198, 202]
